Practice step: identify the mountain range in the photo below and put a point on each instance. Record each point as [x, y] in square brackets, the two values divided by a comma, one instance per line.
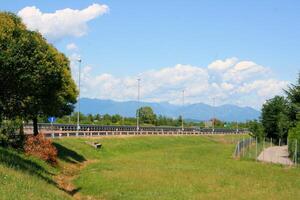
[195, 112]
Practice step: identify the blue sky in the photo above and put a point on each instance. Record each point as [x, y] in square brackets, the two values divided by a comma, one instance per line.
[135, 38]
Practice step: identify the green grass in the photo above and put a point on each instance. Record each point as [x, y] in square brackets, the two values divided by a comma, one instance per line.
[184, 167]
[151, 167]
[23, 177]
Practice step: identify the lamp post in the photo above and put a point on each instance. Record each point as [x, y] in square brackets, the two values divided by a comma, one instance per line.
[214, 117]
[138, 110]
[78, 113]
[182, 128]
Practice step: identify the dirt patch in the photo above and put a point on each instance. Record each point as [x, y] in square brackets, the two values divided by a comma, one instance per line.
[68, 174]
[276, 154]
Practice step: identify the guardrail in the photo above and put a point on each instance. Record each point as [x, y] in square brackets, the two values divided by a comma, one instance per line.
[70, 130]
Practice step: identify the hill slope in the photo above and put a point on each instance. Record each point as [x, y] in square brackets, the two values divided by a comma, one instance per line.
[23, 177]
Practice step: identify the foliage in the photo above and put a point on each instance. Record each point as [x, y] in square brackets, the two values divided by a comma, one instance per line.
[293, 97]
[146, 115]
[41, 147]
[11, 133]
[275, 118]
[256, 129]
[294, 135]
[121, 120]
[35, 78]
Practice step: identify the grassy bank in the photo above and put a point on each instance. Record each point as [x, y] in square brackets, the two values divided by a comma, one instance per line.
[23, 177]
[179, 168]
[153, 167]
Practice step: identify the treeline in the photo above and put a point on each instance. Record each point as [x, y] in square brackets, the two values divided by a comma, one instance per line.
[280, 118]
[146, 118]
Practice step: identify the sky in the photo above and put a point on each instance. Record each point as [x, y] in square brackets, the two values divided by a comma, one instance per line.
[236, 52]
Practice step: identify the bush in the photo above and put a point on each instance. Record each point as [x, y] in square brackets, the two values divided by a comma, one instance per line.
[11, 133]
[294, 134]
[41, 147]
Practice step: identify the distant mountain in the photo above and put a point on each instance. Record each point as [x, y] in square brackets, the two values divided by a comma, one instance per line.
[198, 111]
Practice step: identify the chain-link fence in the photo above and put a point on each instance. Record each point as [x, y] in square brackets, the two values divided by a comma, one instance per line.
[268, 150]
[242, 146]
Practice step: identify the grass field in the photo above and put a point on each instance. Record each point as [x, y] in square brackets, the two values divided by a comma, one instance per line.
[179, 168]
[154, 167]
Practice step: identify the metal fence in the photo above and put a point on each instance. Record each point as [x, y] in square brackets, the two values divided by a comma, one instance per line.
[268, 150]
[242, 146]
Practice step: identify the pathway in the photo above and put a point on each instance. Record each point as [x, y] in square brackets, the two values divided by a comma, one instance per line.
[275, 154]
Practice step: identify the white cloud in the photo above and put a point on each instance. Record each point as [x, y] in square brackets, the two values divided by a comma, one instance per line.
[61, 23]
[245, 70]
[220, 65]
[72, 47]
[255, 84]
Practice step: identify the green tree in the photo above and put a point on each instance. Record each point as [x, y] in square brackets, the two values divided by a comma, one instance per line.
[116, 118]
[37, 78]
[293, 97]
[275, 118]
[256, 129]
[147, 115]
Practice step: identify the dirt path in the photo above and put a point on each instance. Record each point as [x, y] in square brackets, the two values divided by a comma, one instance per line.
[65, 178]
[276, 154]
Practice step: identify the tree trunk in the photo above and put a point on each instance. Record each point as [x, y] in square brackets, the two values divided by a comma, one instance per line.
[35, 127]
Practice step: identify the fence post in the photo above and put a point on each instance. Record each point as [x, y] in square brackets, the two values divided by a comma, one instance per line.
[256, 148]
[238, 147]
[243, 149]
[263, 149]
[271, 142]
[296, 152]
[279, 141]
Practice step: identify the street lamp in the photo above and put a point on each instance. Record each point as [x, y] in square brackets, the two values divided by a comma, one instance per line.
[138, 111]
[182, 128]
[78, 113]
[214, 115]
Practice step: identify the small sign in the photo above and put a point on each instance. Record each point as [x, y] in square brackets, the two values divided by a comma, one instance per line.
[51, 119]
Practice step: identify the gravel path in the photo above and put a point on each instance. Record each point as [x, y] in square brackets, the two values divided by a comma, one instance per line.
[276, 154]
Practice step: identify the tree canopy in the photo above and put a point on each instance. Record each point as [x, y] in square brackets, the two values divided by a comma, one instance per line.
[147, 115]
[293, 97]
[35, 76]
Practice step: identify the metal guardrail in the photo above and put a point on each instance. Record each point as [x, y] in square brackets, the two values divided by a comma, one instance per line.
[70, 130]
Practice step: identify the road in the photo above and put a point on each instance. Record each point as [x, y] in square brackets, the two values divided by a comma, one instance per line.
[275, 154]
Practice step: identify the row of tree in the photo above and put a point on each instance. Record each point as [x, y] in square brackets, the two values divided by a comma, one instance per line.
[35, 77]
[146, 118]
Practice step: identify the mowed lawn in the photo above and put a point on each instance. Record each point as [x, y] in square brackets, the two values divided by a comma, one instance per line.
[183, 167]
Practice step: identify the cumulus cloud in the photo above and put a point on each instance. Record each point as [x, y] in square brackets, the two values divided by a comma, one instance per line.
[244, 83]
[221, 65]
[61, 23]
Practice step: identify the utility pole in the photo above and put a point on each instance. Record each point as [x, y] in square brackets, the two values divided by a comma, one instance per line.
[138, 110]
[214, 117]
[78, 113]
[182, 128]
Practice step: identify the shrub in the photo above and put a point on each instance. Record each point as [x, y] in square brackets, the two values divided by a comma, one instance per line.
[41, 147]
[294, 134]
